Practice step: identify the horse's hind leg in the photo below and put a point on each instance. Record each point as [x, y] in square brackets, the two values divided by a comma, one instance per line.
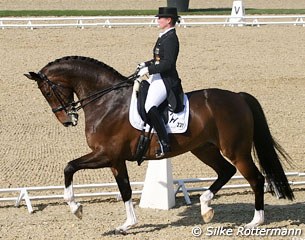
[256, 180]
[210, 155]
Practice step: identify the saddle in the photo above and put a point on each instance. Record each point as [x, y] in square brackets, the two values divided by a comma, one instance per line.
[175, 122]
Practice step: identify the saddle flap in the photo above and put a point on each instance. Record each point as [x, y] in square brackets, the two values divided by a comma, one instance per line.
[141, 99]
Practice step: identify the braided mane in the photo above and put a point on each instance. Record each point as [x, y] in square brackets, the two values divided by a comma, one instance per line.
[85, 59]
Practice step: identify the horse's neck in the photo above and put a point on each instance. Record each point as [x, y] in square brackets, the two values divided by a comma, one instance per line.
[100, 93]
[85, 87]
[108, 111]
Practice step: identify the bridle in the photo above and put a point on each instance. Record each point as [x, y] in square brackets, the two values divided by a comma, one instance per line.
[56, 89]
[71, 108]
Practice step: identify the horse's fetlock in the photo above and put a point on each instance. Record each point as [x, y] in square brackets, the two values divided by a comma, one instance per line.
[206, 196]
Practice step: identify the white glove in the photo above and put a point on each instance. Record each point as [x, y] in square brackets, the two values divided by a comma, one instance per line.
[143, 71]
[141, 65]
[136, 85]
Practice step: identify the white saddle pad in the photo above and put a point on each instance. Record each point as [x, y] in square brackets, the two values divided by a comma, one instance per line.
[177, 122]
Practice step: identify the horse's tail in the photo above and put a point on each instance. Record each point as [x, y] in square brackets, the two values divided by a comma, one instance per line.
[267, 150]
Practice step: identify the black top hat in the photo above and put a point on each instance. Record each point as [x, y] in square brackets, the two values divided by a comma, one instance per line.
[168, 12]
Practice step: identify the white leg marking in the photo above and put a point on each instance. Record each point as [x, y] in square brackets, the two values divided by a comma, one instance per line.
[258, 219]
[131, 218]
[75, 207]
[207, 212]
[69, 194]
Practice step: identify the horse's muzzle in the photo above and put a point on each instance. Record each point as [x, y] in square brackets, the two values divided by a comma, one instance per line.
[73, 119]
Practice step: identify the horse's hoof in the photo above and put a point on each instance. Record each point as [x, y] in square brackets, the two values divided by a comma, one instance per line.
[208, 216]
[79, 212]
[253, 225]
[120, 232]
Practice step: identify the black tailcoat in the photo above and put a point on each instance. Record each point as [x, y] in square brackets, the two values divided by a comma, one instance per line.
[165, 54]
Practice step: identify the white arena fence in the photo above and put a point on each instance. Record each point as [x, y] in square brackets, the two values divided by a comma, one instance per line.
[128, 21]
[27, 194]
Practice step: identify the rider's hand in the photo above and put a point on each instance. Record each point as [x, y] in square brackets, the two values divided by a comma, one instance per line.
[141, 65]
[143, 71]
[136, 85]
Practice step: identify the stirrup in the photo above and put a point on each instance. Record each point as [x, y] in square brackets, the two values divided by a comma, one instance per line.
[160, 153]
[164, 148]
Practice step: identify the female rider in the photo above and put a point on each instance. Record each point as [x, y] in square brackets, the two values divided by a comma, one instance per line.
[165, 83]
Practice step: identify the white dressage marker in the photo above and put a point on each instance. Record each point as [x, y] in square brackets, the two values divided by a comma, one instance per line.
[158, 191]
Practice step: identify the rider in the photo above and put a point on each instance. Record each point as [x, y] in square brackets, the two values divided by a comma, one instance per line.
[164, 80]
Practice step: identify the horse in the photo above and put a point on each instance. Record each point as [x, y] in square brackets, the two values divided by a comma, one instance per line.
[223, 129]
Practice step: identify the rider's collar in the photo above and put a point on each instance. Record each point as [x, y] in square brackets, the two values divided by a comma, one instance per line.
[167, 30]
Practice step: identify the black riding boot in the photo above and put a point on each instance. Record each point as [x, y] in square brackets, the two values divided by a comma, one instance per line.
[158, 124]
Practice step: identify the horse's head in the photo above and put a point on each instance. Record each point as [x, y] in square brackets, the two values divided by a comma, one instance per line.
[59, 97]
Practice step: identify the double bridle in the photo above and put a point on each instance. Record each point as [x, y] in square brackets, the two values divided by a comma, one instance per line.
[71, 108]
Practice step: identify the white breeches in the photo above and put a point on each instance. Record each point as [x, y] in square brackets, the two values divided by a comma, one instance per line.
[156, 92]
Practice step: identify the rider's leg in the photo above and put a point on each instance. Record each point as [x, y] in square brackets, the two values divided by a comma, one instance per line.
[156, 92]
[155, 96]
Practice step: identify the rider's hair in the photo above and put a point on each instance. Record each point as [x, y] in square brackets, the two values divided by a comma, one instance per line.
[174, 21]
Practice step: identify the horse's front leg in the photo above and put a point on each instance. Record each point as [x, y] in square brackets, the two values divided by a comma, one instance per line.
[122, 179]
[76, 208]
[90, 161]
[131, 218]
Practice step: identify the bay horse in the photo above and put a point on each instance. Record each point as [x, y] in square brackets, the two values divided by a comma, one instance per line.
[223, 128]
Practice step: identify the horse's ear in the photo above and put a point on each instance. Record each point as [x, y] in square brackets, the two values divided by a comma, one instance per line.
[33, 76]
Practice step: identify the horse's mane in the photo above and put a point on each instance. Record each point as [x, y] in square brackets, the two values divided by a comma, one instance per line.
[85, 59]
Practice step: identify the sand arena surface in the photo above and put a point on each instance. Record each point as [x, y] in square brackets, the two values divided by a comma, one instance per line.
[267, 62]
[140, 4]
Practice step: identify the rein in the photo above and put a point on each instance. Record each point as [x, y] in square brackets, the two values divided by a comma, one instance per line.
[93, 97]
[103, 92]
